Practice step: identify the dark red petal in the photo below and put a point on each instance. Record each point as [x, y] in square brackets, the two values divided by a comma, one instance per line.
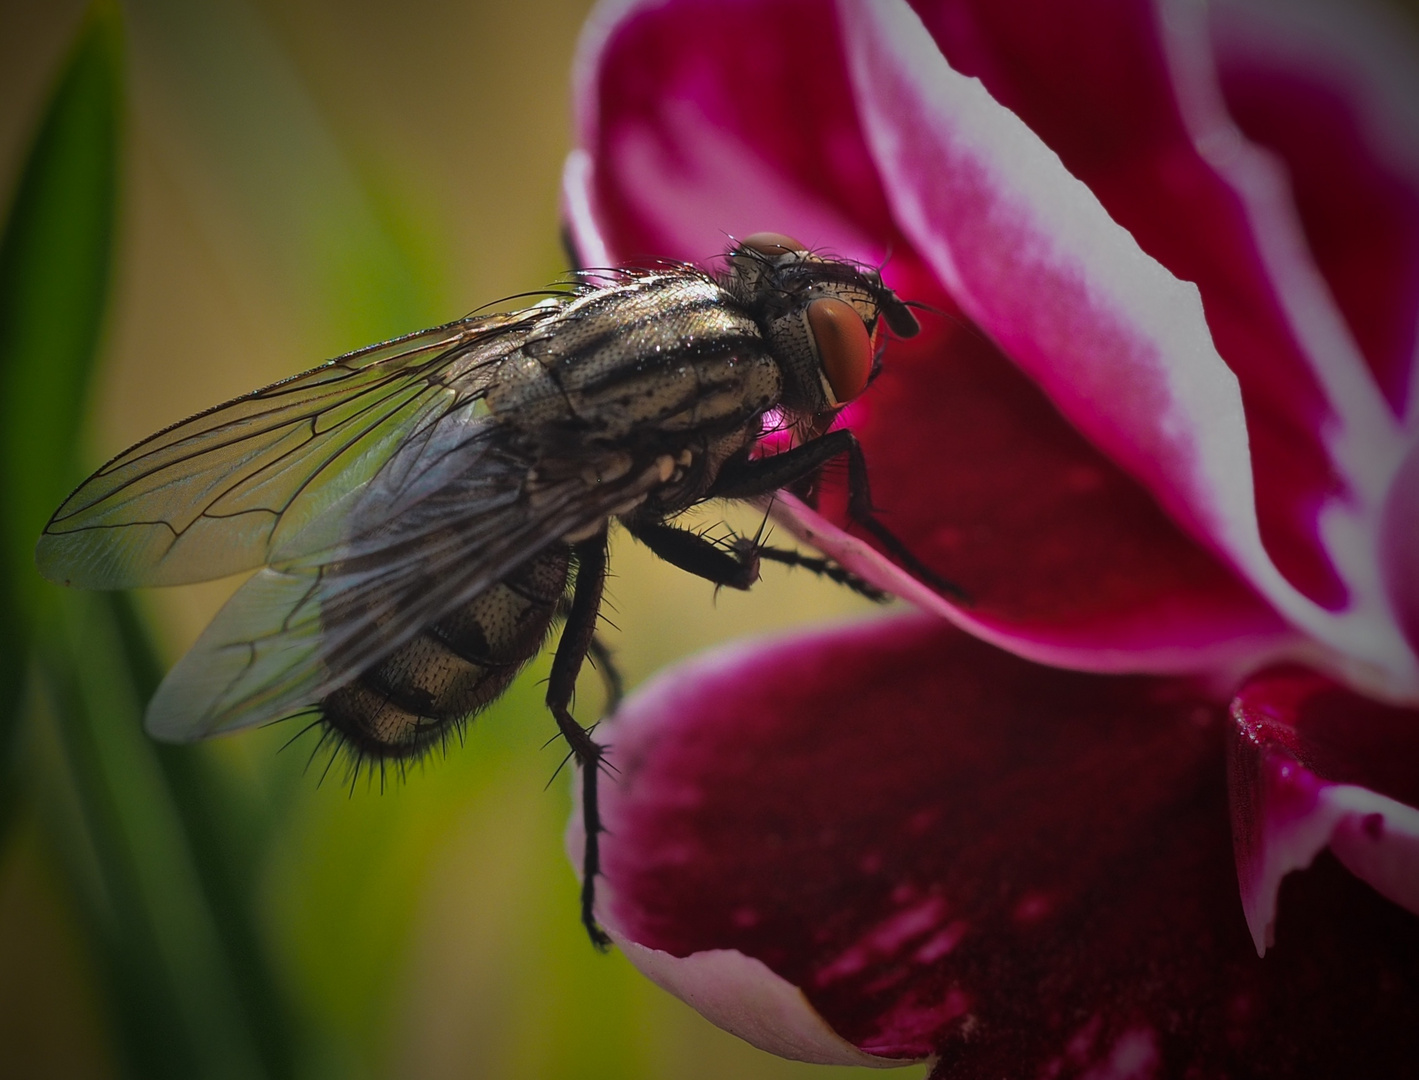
[1313, 764]
[953, 851]
[1127, 98]
[1333, 91]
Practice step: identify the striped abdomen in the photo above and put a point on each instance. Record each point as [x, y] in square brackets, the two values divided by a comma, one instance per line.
[453, 668]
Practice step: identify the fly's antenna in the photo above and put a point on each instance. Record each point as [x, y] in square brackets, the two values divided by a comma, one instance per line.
[922, 305]
[952, 316]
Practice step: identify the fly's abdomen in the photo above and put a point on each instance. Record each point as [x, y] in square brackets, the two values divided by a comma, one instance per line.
[424, 689]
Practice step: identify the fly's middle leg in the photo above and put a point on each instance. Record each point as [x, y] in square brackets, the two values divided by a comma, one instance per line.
[751, 477]
[733, 566]
[576, 642]
[736, 563]
[820, 566]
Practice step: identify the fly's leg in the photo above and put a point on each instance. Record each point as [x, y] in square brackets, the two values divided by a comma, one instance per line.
[822, 567]
[610, 674]
[751, 477]
[737, 563]
[859, 508]
[577, 637]
[736, 566]
[748, 478]
[604, 662]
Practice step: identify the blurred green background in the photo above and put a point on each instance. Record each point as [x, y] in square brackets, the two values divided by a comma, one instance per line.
[205, 197]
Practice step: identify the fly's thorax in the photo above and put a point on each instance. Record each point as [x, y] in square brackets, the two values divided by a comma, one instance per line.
[452, 668]
[820, 316]
[629, 316]
[727, 393]
[668, 351]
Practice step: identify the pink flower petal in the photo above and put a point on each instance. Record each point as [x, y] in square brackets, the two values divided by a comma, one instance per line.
[951, 851]
[1067, 557]
[698, 121]
[1046, 266]
[1399, 546]
[1333, 89]
[1312, 765]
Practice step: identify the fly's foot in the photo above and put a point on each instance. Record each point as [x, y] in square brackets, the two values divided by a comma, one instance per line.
[825, 568]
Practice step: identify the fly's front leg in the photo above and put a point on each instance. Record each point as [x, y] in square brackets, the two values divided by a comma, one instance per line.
[859, 508]
[577, 636]
[752, 477]
[748, 478]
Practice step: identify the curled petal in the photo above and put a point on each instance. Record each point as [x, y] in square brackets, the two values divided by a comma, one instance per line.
[744, 996]
[1312, 764]
[952, 852]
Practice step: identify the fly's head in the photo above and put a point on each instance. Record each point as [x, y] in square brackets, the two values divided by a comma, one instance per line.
[822, 317]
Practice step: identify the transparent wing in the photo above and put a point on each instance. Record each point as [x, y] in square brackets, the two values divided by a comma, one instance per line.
[269, 476]
[297, 631]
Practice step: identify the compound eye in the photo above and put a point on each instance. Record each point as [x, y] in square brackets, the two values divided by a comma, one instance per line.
[844, 347]
[772, 245]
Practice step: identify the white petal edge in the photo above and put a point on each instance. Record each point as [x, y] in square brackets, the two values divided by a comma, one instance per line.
[578, 211]
[1345, 816]
[1205, 428]
[744, 997]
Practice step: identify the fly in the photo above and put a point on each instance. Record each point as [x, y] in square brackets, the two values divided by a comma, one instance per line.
[421, 512]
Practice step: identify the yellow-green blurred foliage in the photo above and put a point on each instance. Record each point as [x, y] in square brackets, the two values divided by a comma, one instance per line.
[301, 177]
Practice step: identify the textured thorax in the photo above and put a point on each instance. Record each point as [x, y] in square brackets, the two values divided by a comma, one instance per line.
[668, 354]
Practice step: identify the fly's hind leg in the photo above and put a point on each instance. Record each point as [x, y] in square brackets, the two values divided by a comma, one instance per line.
[577, 640]
[604, 661]
[749, 478]
[605, 664]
